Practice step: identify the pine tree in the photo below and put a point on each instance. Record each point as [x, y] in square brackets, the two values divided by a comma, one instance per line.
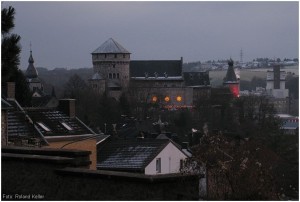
[10, 58]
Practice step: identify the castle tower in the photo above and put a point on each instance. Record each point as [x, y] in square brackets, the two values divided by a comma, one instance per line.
[231, 80]
[276, 83]
[111, 62]
[32, 75]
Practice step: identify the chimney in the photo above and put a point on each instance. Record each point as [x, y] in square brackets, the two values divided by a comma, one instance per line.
[68, 107]
[11, 90]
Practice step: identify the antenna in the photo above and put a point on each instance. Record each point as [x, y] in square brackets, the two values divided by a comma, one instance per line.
[241, 56]
[30, 46]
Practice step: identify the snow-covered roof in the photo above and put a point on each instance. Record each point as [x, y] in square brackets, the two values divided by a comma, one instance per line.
[110, 46]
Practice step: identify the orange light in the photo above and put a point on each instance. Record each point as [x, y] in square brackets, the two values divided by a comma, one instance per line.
[178, 98]
[154, 98]
[167, 98]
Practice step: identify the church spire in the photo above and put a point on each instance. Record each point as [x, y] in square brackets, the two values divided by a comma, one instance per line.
[31, 72]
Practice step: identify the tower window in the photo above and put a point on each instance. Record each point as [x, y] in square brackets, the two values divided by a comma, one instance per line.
[118, 76]
[110, 76]
[115, 55]
[114, 75]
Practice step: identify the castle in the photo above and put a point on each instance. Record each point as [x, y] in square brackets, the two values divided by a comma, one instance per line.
[149, 81]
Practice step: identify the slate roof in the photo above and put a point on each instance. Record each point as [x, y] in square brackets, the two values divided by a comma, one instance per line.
[42, 101]
[138, 68]
[53, 120]
[110, 46]
[196, 78]
[128, 155]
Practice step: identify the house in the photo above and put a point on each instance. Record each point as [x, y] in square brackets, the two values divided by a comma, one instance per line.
[47, 127]
[147, 156]
[290, 124]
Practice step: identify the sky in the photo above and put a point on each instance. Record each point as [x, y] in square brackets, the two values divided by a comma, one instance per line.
[63, 34]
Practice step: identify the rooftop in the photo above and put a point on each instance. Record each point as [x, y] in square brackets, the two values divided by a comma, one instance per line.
[130, 155]
[110, 46]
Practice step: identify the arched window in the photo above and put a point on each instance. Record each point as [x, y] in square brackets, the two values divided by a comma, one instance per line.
[118, 76]
[109, 76]
[114, 75]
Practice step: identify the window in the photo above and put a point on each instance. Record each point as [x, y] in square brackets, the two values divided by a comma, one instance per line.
[158, 165]
[115, 55]
[118, 76]
[110, 75]
[105, 55]
[114, 75]
[43, 126]
[178, 98]
[123, 55]
[114, 65]
[69, 128]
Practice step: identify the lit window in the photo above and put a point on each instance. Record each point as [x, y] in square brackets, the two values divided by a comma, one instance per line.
[167, 98]
[43, 126]
[66, 126]
[154, 98]
[179, 98]
[158, 165]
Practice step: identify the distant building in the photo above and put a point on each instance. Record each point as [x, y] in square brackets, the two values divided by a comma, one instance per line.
[231, 80]
[276, 83]
[275, 88]
[148, 81]
[39, 97]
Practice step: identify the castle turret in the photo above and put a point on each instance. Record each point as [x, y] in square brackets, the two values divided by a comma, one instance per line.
[231, 80]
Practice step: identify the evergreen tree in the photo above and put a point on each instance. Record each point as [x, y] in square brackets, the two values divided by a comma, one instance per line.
[10, 58]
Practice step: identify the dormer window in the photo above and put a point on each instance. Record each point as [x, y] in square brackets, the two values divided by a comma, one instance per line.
[43, 126]
[66, 126]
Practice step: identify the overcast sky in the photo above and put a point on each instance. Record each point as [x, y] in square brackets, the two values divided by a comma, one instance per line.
[63, 34]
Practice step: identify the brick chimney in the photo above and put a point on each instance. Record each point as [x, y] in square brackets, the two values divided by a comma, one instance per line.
[11, 90]
[68, 107]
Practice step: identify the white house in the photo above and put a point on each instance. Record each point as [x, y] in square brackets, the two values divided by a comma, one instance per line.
[151, 157]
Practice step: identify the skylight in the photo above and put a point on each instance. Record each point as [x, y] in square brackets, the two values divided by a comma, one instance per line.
[66, 126]
[43, 126]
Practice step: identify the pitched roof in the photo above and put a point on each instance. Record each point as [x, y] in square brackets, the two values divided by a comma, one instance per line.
[55, 123]
[196, 78]
[110, 46]
[172, 68]
[129, 155]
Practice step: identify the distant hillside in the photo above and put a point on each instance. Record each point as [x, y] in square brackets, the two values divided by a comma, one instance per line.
[59, 76]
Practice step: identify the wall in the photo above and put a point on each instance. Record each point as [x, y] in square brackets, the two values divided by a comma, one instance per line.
[87, 145]
[3, 127]
[170, 161]
[43, 178]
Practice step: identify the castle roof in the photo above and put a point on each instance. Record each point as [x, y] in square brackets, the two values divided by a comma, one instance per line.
[31, 71]
[110, 46]
[230, 75]
[172, 68]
